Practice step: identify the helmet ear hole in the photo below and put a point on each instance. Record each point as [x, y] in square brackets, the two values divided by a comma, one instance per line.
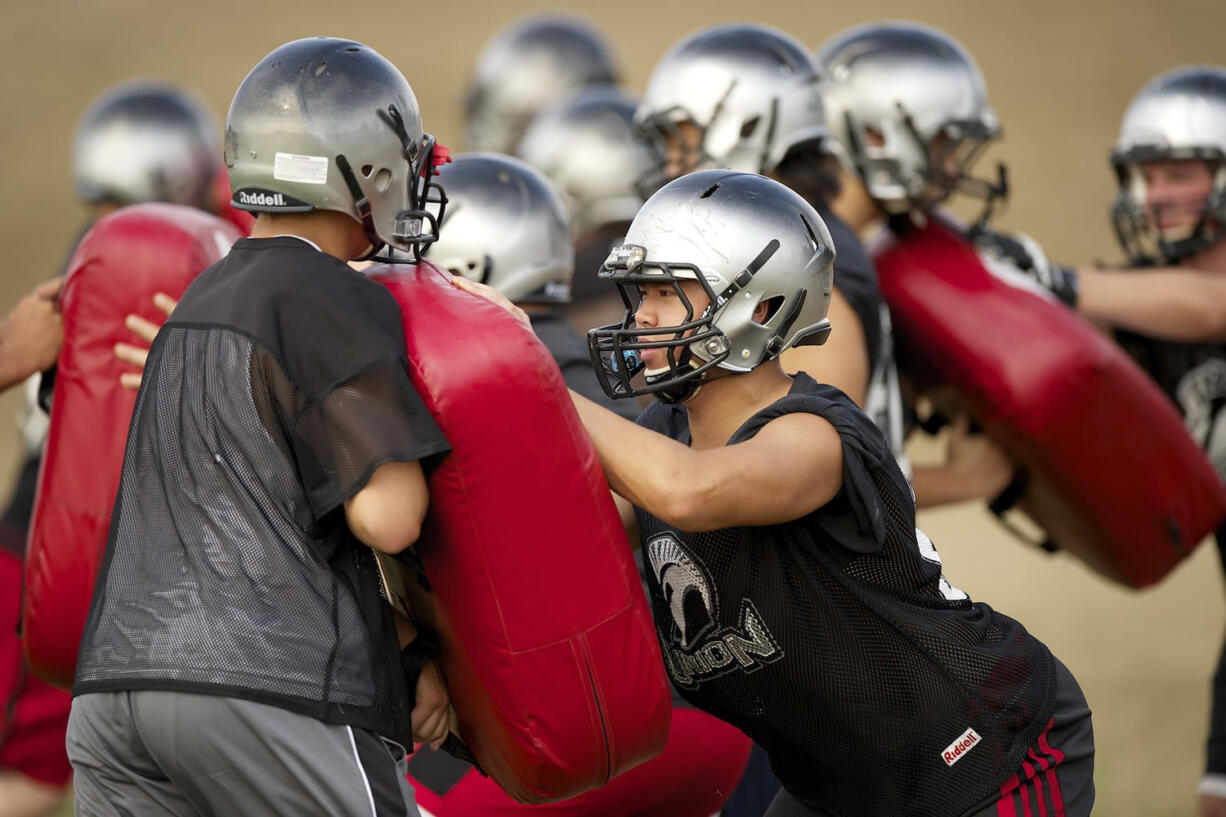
[766, 309]
[382, 180]
[749, 126]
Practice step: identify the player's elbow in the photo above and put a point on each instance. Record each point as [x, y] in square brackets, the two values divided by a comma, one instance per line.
[1209, 320]
[383, 532]
[387, 513]
[691, 506]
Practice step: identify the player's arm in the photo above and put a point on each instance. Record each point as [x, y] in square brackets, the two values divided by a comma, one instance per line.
[975, 467]
[842, 361]
[793, 466]
[1174, 304]
[31, 335]
[387, 512]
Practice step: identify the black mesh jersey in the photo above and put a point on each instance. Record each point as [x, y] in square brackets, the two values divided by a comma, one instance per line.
[834, 642]
[276, 388]
[571, 354]
[1193, 375]
[855, 277]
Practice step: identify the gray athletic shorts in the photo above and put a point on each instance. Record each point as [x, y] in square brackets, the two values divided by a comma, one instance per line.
[155, 752]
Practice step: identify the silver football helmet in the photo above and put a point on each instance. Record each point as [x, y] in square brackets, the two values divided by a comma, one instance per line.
[747, 240]
[1180, 114]
[909, 107]
[507, 227]
[330, 124]
[145, 141]
[751, 90]
[527, 68]
[587, 147]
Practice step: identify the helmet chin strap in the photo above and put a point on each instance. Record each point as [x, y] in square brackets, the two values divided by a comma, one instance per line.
[362, 205]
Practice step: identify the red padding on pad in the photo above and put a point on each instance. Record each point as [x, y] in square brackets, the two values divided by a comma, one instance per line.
[1115, 478]
[547, 641]
[121, 263]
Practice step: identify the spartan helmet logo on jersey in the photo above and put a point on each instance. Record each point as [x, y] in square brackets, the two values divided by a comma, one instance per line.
[685, 586]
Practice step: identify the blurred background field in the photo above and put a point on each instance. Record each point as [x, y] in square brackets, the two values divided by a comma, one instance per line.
[1059, 75]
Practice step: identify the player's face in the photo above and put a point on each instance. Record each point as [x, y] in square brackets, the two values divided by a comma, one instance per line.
[660, 305]
[682, 148]
[1175, 193]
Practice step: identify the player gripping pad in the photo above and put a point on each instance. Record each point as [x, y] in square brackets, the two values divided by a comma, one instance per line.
[119, 265]
[1113, 477]
[545, 635]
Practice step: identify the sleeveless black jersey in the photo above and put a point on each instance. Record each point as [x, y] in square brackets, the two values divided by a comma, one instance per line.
[836, 644]
[855, 277]
[271, 395]
[1193, 375]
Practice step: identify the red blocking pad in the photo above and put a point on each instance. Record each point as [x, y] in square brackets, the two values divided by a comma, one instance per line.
[1114, 478]
[546, 638]
[125, 259]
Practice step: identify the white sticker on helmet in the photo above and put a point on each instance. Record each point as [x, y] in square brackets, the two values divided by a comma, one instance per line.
[294, 167]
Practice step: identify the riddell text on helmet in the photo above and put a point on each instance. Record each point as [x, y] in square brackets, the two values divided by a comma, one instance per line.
[965, 742]
[262, 199]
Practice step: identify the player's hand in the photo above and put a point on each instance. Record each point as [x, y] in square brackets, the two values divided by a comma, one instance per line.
[980, 464]
[1023, 253]
[146, 331]
[491, 294]
[31, 335]
[432, 715]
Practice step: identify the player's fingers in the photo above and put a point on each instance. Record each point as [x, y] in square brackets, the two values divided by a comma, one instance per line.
[136, 355]
[432, 724]
[49, 289]
[164, 302]
[146, 330]
[130, 380]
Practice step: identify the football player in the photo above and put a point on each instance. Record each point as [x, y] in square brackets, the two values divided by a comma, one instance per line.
[792, 593]
[1168, 307]
[237, 658]
[137, 142]
[588, 149]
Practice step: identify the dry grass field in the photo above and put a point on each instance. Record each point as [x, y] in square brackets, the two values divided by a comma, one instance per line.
[1059, 74]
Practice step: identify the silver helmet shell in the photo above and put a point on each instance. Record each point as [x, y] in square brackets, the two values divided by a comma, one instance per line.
[588, 149]
[747, 240]
[507, 227]
[330, 124]
[752, 90]
[904, 84]
[1180, 114]
[527, 68]
[143, 142]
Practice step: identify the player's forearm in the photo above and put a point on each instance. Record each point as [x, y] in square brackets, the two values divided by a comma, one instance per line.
[648, 469]
[940, 485]
[1170, 304]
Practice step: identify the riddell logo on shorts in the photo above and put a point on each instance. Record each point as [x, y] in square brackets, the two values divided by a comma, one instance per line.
[966, 741]
[262, 199]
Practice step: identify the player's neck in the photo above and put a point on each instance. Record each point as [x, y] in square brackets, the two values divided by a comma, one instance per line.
[726, 402]
[1211, 259]
[854, 206]
[334, 233]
